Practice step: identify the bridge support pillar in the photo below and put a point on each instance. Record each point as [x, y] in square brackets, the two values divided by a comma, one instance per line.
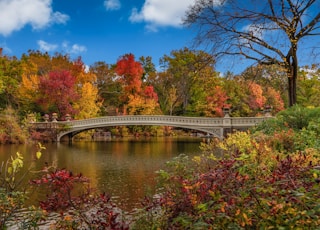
[66, 138]
[70, 138]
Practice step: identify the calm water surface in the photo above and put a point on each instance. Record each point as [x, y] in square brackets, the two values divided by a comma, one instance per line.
[125, 169]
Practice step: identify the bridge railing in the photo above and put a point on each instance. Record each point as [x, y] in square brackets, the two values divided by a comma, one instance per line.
[142, 119]
[159, 119]
[246, 121]
[218, 127]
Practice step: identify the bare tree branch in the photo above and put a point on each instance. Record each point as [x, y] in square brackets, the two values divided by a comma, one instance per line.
[265, 32]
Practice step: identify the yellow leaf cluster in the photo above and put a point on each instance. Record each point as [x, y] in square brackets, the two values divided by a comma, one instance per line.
[88, 105]
[29, 86]
[139, 105]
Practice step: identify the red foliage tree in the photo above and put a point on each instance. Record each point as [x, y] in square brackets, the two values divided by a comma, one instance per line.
[58, 93]
[150, 93]
[216, 101]
[130, 72]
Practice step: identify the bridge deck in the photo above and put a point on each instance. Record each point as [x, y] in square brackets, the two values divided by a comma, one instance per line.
[214, 126]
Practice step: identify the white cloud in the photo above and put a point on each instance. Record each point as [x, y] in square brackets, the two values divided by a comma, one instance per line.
[73, 49]
[59, 18]
[15, 14]
[47, 47]
[260, 31]
[70, 49]
[112, 4]
[161, 13]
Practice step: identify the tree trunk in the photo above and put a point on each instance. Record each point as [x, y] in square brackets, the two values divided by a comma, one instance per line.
[291, 88]
[292, 62]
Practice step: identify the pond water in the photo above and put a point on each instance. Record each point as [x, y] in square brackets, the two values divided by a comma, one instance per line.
[124, 168]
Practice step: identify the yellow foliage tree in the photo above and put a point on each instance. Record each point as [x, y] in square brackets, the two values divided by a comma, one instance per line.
[88, 105]
[139, 105]
[29, 87]
[86, 77]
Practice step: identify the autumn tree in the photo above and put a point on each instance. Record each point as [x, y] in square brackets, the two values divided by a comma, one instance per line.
[29, 92]
[35, 66]
[41, 63]
[273, 99]
[237, 93]
[40, 68]
[109, 88]
[58, 93]
[89, 102]
[216, 102]
[88, 105]
[185, 71]
[145, 103]
[166, 91]
[139, 97]
[271, 76]
[309, 86]
[130, 73]
[267, 32]
[10, 76]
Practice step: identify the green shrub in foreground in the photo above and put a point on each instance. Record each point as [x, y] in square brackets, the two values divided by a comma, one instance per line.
[294, 129]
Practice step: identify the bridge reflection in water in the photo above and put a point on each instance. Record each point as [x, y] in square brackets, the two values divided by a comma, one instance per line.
[217, 127]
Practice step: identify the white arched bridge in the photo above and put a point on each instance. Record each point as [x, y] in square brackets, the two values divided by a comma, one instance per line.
[217, 127]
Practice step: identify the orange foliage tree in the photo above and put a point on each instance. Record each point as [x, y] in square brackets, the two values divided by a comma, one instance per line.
[137, 97]
[216, 102]
[255, 99]
[130, 73]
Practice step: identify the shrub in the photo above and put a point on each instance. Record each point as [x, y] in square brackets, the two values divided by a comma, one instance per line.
[294, 129]
[13, 194]
[80, 208]
[250, 186]
[10, 129]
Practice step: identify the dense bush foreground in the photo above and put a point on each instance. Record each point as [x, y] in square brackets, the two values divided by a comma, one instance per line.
[267, 178]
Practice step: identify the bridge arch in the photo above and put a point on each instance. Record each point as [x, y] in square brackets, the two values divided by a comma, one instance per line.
[214, 126]
[214, 131]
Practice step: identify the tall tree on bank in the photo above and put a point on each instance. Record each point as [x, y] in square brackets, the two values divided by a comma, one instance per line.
[130, 75]
[267, 32]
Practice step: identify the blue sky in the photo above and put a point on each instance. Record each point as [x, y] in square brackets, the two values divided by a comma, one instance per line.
[96, 30]
[103, 30]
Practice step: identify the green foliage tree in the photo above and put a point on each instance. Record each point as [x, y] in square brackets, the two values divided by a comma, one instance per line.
[186, 70]
[109, 88]
[308, 92]
[10, 77]
[148, 67]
